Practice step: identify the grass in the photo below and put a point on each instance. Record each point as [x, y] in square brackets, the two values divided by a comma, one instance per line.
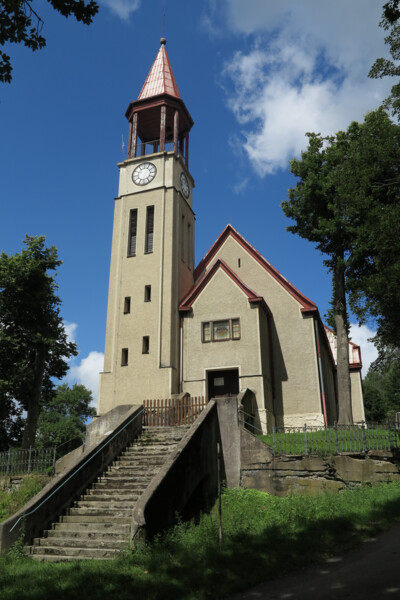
[11, 502]
[323, 441]
[264, 536]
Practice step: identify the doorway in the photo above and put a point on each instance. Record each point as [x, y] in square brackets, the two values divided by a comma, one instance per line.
[224, 382]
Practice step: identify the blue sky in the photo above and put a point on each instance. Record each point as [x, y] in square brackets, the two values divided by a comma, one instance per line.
[255, 76]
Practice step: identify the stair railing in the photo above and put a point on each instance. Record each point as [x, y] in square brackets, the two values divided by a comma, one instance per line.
[101, 447]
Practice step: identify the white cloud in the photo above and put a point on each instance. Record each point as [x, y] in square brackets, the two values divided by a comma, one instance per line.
[87, 372]
[360, 335]
[122, 8]
[70, 330]
[306, 70]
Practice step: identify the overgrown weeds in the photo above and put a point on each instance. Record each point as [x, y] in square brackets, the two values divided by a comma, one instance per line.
[263, 536]
[12, 501]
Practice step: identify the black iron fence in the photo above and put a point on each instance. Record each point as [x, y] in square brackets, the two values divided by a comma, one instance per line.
[305, 440]
[20, 462]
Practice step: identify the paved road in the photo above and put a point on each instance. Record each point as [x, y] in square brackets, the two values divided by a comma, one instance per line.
[370, 571]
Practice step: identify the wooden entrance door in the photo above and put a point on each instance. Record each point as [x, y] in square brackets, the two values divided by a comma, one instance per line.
[223, 383]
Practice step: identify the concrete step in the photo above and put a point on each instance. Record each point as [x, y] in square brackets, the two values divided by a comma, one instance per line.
[74, 552]
[150, 452]
[127, 474]
[110, 504]
[128, 484]
[77, 542]
[141, 463]
[77, 524]
[99, 519]
[56, 558]
[110, 496]
[87, 534]
[134, 468]
[96, 511]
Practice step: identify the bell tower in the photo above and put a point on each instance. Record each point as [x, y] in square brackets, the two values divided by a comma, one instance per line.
[152, 256]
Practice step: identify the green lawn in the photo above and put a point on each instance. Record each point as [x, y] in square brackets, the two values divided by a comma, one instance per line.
[329, 441]
[264, 536]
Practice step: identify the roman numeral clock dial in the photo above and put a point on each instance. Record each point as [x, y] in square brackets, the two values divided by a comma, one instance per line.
[144, 173]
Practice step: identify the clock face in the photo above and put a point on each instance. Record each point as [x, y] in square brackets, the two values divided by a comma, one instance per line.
[144, 173]
[185, 185]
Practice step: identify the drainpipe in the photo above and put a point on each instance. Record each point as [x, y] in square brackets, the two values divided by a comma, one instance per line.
[181, 355]
[321, 378]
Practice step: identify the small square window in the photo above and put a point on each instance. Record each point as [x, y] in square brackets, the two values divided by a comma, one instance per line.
[146, 345]
[127, 305]
[124, 357]
[147, 293]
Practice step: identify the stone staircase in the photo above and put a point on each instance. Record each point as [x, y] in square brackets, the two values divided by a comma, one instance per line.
[98, 524]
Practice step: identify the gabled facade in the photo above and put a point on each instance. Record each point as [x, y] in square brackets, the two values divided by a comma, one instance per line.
[282, 353]
[233, 322]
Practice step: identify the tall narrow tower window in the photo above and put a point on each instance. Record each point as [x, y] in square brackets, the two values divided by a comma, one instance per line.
[149, 229]
[127, 305]
[147, 293]
[132, 232]
[124, 357]
[146, 344]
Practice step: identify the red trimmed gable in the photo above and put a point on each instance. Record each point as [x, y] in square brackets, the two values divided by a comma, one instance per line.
[229, 231]
[189, 299]
[355, 361]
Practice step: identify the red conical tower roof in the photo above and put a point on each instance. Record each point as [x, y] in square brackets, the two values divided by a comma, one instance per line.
[160, 79]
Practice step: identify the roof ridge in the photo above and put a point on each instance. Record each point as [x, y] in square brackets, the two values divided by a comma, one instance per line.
[307, 304]
[187, 301]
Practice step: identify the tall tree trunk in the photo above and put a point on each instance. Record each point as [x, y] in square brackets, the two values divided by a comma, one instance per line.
[345, 416]
[33, 408]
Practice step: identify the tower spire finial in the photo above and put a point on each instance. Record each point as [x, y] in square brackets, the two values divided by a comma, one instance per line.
[163, 39]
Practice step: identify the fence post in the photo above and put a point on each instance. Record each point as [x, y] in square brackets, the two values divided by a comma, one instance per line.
[305, 439]
[274, 439]
[54, 458]
[336, 436]
[364, 437]
[8, 463]
[29, 459]
[390, 441]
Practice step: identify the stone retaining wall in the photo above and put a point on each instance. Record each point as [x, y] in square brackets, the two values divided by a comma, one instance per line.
[282, 475]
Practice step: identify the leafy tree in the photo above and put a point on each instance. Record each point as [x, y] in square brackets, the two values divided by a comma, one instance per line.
[20, 23]
[372, 176]
[384, 67]
[317, 208]
[347, 202]
[63, 418]
[382, 386]
[11, 422]
[33, 342]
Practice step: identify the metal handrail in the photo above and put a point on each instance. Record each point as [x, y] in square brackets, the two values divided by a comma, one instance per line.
[77, 470]
[77, 437]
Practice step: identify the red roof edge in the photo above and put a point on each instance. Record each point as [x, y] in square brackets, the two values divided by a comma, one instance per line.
[353, 366]
[188, 300]
[307, 305]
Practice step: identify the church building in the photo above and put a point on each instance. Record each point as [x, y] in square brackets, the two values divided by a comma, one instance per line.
[229, 324]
